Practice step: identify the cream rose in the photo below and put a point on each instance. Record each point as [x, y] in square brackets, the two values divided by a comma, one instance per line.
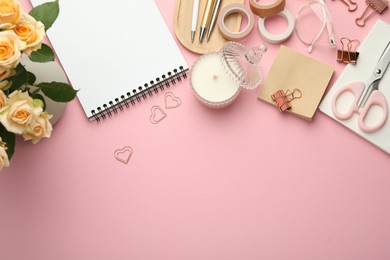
[39, 128]
[10, 13]
[5, 73]
[19, 112]
[4, 160]
[10, 49]
[4, 85]
[30, 32]
[3, 99]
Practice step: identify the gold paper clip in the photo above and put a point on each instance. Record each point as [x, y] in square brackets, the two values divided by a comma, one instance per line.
[377, 5]
[282, 99]
[352, 6]
[348, 53]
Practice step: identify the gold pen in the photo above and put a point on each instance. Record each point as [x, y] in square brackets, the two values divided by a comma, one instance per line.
[213, 18]
[206, 19]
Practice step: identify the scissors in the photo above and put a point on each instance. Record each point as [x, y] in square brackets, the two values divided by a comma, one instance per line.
[366, 94]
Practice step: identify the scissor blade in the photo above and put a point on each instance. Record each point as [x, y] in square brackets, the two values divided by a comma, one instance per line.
[376, 76]
[367, 92]
[383, 62]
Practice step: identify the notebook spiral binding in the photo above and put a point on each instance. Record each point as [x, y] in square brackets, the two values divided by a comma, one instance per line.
[136, 96]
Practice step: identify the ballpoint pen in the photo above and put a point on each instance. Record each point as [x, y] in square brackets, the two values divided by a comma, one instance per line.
[213, 18]
[195, 11]
[206, 19]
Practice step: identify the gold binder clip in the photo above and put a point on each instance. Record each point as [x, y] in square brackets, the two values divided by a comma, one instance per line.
[377, 5]
[348, 53]
[283, 99]
[352, 6]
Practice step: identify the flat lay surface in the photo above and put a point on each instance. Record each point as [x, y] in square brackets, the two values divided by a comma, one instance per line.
[169, 178]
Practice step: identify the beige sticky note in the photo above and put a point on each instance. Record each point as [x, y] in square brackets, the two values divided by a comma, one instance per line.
[293, 70]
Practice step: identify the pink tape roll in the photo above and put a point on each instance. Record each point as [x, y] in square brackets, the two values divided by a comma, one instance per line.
[231, 9]
[267, 10]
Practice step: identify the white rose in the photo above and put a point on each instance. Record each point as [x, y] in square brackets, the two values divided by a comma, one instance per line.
[19, 112]
[4, 161]
[10, 49]
[30, 32]
[39, 128]
[10, 13]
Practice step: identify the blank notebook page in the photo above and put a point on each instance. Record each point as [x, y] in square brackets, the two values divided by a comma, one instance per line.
[110, 49]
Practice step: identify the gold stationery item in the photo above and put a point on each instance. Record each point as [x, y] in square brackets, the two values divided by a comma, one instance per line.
[213, 18]
[206, 19]
[283, 99]
[182, 26]
[292, 69]
[348, 53]
[352, 6]
[376, 5]
[124, 154]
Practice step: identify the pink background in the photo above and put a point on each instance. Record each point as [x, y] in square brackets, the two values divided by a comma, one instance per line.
[246, 182]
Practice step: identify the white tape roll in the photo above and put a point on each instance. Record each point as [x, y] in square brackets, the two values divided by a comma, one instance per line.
[277, 38]
[235, 8]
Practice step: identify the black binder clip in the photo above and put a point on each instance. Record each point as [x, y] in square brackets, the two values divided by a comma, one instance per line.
[348, 53]
[283, 99]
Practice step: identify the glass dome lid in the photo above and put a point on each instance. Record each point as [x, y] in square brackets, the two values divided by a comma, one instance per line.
[243, 63]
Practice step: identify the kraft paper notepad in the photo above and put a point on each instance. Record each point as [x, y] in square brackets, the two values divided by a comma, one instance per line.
[293, 70]
[370, 51]
[113, 53]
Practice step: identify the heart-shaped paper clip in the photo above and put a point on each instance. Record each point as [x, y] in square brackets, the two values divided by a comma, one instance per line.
[123, 155]
[157, 115]
[171, 101]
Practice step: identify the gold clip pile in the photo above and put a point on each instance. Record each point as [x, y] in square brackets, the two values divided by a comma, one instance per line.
[348, 53]
[282, 99]
[352, 6]
[377, 5]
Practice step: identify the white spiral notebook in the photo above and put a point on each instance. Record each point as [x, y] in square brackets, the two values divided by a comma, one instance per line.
[114, 53]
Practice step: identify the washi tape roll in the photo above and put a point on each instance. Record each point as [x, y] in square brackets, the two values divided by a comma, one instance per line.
[277, 38]
[231, 9]
[267, 10]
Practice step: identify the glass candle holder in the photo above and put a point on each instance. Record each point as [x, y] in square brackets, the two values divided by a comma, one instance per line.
[217, 78]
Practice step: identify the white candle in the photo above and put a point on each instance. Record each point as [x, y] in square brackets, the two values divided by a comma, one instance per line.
[211, 83]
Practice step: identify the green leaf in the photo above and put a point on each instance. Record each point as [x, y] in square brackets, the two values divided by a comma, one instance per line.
[44, 54]
[9, 139]
[58, 91]
[47, 13]
[18, 79]
[30, 78]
